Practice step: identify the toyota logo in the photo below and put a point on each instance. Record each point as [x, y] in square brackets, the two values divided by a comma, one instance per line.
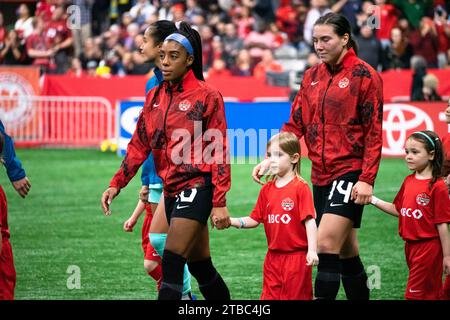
[400, 121]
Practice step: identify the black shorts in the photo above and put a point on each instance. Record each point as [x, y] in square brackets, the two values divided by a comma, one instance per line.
[335, 199]
[195, 204]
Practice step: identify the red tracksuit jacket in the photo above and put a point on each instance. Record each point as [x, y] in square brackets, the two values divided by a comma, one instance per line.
[178, 121]
[340, 113]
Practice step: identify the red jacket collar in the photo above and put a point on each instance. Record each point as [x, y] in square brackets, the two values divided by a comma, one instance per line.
[189, 82]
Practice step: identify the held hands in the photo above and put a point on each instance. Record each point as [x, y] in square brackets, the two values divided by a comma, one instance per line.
[260, 170]
[362, 193]
[144, 193]
[311, 258]
[22, 186]
[107, 198]
[220, 218]
[446, 264]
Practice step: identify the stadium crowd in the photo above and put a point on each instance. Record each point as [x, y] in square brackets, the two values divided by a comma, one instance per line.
[240, 37]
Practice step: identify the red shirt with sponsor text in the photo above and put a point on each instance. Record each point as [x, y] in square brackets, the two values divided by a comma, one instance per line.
[421, 208]
[283, 212]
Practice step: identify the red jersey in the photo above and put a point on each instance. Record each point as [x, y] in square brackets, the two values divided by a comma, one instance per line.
[388, 20]
[57, 31]
[283, 212]
[446, 146]
[420, 208]
[39, 42]
[182, 124]
[340, 113]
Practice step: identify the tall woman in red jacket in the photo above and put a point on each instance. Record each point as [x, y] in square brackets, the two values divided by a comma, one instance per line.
[339, 111]
[183, 123]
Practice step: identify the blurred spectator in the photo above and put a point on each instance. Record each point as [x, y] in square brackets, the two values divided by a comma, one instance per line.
[430, 86]
[231, 44]
[398, 54]
[318, 8]
[91, 52]
[367, 10]
[388, 20]
[443, 31]
[13, 51]
[218, 69]
[192, 10]
[243, 66]
[39, 47]
[3, 32]
[290, 19]
[266, 64]
[23, 25]
[44, 9]
[141, 11]
[419, 67]
[206, 35]
[165, 11]
[138, 61]
[83, 31]
[350, 9]
[75, 71]
[424, 41]
[258, 40]
[244, 21]
[214, 15]
[178, 13]
[369, 47]
[91, 69]
[60, 38]
[262, 10]
[414, 10]
[132, 32]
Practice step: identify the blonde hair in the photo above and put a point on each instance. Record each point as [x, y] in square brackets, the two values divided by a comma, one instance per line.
[289, 143]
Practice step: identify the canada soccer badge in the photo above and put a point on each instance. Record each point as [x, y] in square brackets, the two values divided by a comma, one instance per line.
[287, 204]
[184, 105]
[423, 199]
[344, 83]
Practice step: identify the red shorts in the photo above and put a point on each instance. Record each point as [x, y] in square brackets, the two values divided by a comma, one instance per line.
[424, 259]
[286, 277]
[7, 272]
[149, 252]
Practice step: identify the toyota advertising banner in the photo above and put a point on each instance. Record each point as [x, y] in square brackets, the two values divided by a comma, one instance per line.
[250, 126]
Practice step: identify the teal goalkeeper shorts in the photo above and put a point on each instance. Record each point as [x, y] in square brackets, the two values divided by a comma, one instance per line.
[156, 190]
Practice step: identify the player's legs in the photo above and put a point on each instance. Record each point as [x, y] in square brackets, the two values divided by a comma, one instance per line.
[152, 261]
[158, 236]
[200, 264]
[180, 240]
[332, 234]
[354, 277]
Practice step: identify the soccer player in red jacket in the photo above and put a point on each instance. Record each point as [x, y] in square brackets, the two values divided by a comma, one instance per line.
[285, 206]
[423, 209]
[339, 112]
[183, 123]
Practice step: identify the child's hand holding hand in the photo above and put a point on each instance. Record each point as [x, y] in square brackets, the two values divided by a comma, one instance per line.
[311, 258]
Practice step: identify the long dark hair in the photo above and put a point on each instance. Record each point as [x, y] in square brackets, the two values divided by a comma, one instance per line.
[194, 38]
[341, 26]
[161, 29]
[434, 145]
